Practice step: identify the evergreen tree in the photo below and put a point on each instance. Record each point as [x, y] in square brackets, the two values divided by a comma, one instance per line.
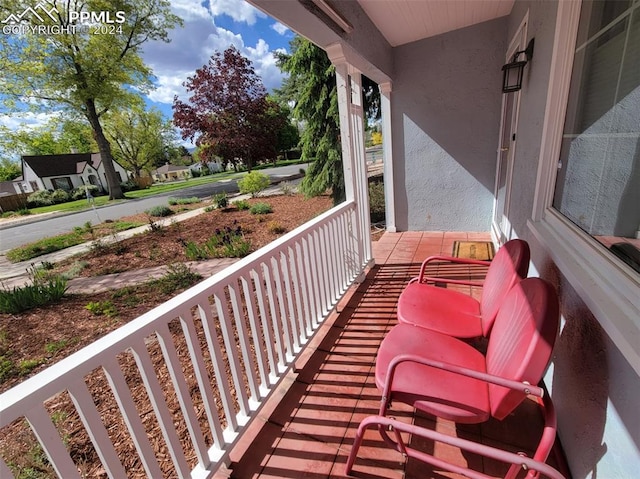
[312, 86]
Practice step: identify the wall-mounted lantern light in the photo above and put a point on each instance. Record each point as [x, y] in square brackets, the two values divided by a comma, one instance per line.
[512, 72]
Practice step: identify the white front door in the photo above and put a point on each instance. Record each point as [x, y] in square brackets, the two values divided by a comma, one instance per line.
[501, 226]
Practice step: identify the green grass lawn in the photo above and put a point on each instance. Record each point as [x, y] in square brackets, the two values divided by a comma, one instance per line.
[156, 189]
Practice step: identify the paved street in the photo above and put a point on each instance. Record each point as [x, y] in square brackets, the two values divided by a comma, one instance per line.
[17, 234]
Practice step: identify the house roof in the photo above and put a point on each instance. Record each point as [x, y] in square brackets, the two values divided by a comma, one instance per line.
[45, 166]
[169, 169]
[7, 188]
[55, 165]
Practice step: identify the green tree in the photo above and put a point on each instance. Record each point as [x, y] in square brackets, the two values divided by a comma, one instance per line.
[140, 138]
[288, 135]
[9, 170]
[312, 86]
[74, 68]
[227, 112]
[51, 138]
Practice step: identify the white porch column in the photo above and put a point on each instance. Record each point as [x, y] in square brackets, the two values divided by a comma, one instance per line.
[387, 157]
[349, 87]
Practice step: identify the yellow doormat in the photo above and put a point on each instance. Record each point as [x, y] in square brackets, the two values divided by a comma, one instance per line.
[480, 250]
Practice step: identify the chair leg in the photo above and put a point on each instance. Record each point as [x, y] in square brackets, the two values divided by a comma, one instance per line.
[481, 449]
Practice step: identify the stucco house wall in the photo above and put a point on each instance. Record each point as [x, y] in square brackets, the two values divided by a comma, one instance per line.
[446, 115]
[594, 388]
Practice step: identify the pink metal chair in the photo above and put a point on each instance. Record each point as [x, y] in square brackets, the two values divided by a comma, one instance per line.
[457, 314]
[447, 378]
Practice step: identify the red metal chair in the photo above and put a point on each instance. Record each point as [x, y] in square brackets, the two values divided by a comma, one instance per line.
[457, 314]
[447, 378]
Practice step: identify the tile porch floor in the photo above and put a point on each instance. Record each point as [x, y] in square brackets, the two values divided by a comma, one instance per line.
[307, 429]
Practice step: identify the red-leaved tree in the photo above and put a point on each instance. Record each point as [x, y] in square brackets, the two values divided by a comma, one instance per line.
[228, 113]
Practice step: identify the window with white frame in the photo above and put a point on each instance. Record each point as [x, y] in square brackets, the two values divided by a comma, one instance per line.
[605, 282]
[598, 180]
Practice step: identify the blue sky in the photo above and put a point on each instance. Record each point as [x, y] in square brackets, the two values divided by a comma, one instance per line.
[209, 26]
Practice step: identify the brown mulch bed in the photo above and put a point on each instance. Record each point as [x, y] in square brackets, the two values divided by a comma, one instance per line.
[167, 244]
[35, 339]
[31, 336]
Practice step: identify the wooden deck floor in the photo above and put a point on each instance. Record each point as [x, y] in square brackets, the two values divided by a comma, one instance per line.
[307, 430]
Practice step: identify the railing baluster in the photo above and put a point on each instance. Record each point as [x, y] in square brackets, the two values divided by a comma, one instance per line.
[339, 232]
[200, 369]
[270, 344]
[163, 415]
[323, 253]
[250, 301]
[275, 322]
[182, 392]
[291, 347]
[290, 314]
[332, 251]
[243, 338]
[232, 351]
[288, 288]
[296, 285]
[51, 442]
[319, 281]
[92, 421]
[316, 277]
[218, 366]
[131, 417]
[305, 292]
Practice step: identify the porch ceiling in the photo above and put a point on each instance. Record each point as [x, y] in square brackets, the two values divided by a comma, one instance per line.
[405, 21]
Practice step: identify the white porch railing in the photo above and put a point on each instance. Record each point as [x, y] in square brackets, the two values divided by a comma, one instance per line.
[225, 343]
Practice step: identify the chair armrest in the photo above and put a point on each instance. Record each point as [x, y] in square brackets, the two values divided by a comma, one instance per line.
[387, 423]
[522, 387]
[421, 278]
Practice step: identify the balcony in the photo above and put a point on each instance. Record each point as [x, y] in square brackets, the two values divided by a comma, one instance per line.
[268, 370]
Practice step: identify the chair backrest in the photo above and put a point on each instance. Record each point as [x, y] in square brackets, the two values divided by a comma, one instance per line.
[522, 340]
[510, 265]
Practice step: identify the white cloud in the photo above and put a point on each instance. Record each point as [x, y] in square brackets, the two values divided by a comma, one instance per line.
[192, 45]
[280, 28]
[189, 10]
[27, 120]
[239, 10]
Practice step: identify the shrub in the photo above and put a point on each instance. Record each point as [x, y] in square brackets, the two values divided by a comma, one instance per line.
[60, 196]
[184, 201]
[287, 188]
[129, 186]
[376, 202]
[220, 200]
[178, 276]
[225, 243]
[100, 308]
[276, 228]
[41, 291]
[253, 183]
[242, 205]
[39, 198]
[261, 209]
[81, 192]
[160, 210]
